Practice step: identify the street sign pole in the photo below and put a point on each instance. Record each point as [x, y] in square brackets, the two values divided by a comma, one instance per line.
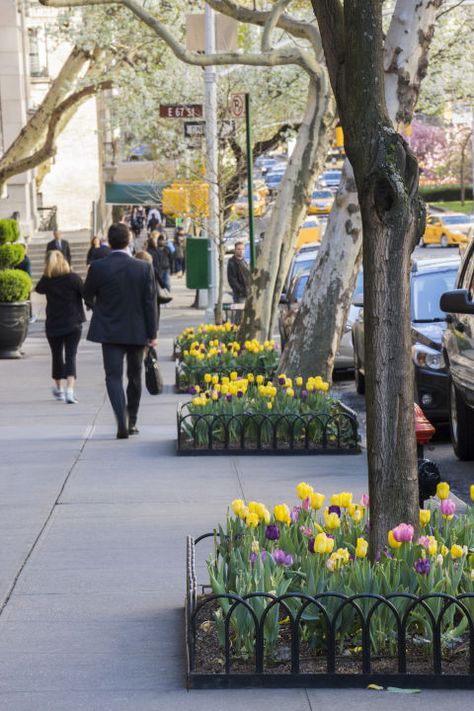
[210, 82]
[248, 127]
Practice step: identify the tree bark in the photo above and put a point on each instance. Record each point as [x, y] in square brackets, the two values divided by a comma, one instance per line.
[314, 339]
[386, 175]
[289, 211]
[319, 325]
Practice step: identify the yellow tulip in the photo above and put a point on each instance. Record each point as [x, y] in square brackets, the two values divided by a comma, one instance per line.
[214, 395]
[346, 499]
[242, 512]
[237, 505]
[269, 405]
[444, 550]
[252, 519]
[290, 392]
[433, 546]
[471, 491]
[282, 513]
[336, 500]
[357, 515]
[456, 551]
[304, 490]
[361, 548]
[332, 521]
[255, 547]
[323, 544]
[317, 500]
[250, 377]
[197, 388]
[425, 515]
[343, 555]
[299, 381]
[442, 490]
[259, 379]
[252, 506]
[215, 379]
[392, 542]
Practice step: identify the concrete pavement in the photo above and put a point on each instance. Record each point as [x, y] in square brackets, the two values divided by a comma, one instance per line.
[92, 549]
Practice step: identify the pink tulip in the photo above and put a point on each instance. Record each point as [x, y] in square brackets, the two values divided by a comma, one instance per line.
[404, 532]
[448, 507]
[364, 500]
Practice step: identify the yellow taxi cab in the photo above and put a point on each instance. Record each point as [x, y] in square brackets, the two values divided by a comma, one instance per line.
[321, 202]
[447, 228]
[310, 231]
[241, 207]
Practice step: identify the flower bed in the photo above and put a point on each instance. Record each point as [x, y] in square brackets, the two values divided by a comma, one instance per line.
[250, 415]
[296, 602]
[226, 333]
[216, 356]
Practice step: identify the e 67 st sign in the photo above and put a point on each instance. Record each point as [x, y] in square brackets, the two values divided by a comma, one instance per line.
[181, 111]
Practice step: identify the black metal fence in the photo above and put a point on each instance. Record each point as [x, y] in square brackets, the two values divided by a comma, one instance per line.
[331, 671]
[250, 433]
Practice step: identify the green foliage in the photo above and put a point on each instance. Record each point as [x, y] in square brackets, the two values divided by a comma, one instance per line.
[448, 193]
[9, 231]
[15, 285]
[11, 254]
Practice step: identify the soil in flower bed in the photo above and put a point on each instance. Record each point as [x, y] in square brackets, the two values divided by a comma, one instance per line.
[210, 656]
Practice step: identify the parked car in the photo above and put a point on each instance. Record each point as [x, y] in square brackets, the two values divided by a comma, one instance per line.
[330, 179]
[458, 350]
[289, 307]
[429, 279]
[273, 180]
[447, 229]
[241, 206]
[310, 231]
[321, 202]
[266, 164]
[235, 231]
[302, 262]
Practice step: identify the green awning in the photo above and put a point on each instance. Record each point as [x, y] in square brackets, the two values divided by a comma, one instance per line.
[133, 193]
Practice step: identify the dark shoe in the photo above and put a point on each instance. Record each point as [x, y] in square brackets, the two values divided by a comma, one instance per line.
[122, 434]
[133, 430]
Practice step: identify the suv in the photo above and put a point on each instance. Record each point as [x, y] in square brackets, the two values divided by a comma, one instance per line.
[458, 348]
[429, 279]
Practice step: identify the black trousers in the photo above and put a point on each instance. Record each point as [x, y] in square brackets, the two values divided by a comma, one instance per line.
[63, 351]
[113, 355]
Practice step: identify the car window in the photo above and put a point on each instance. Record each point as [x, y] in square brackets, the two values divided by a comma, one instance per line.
[320, 194]
[300, 287]
[332, 175]
[456, 219]
[426, 292]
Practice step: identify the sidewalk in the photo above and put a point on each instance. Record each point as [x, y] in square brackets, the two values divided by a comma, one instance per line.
[92, 560]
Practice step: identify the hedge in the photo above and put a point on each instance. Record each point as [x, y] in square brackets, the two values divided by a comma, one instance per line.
[15, 285]
[444, 193]
[11, 254]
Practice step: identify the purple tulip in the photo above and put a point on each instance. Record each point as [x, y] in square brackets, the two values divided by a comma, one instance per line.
[334, 509]
[281, 380]
[422, 566]
[239, 393]
[272, 532]
[282, 558]
[228, 397]
[448, 507]
[295, 512]
[304, 394]
[253, 558]
[311, 545]
[263, 556]
[192, 390]
[306, 503]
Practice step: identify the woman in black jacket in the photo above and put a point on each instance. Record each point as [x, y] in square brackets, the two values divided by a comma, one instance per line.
[64, 318]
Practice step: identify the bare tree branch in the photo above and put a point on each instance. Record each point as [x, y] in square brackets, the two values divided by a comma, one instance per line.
[54, 126]
[282, 56]
[271, 23]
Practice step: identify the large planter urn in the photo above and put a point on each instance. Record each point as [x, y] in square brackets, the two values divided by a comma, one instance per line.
[14, 319]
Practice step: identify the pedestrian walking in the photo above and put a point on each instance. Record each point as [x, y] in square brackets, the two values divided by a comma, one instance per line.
[137, 220]
[164, 260]
[121, 291]
[62, 245]
[153, 219]
[160, 298]
[64, 318]
[97, 250]
[238, 274]
[179, 255]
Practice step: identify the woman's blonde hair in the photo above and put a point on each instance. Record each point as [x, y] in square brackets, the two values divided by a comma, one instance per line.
[144, 255]
[56, 264]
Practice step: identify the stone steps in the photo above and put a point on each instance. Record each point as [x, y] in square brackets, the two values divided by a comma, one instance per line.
[37, 250]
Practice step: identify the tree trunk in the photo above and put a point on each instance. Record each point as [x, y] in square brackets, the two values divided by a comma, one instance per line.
[319, 325]
[289, 211]
[314, 339]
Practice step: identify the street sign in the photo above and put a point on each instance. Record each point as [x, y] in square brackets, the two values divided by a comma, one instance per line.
[226, 129]
[237, 105]
[192, 129]
[181, 111]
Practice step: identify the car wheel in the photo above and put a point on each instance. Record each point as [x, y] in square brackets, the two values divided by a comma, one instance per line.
[358, 377]
[461, 418]
[444, 241]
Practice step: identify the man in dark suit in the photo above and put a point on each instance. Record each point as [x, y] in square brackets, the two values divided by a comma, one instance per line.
[121, 291]
[61, 244]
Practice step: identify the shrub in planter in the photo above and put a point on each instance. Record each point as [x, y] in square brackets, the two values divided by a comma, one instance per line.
[319, 548]
[9, 231]
[15, 287]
